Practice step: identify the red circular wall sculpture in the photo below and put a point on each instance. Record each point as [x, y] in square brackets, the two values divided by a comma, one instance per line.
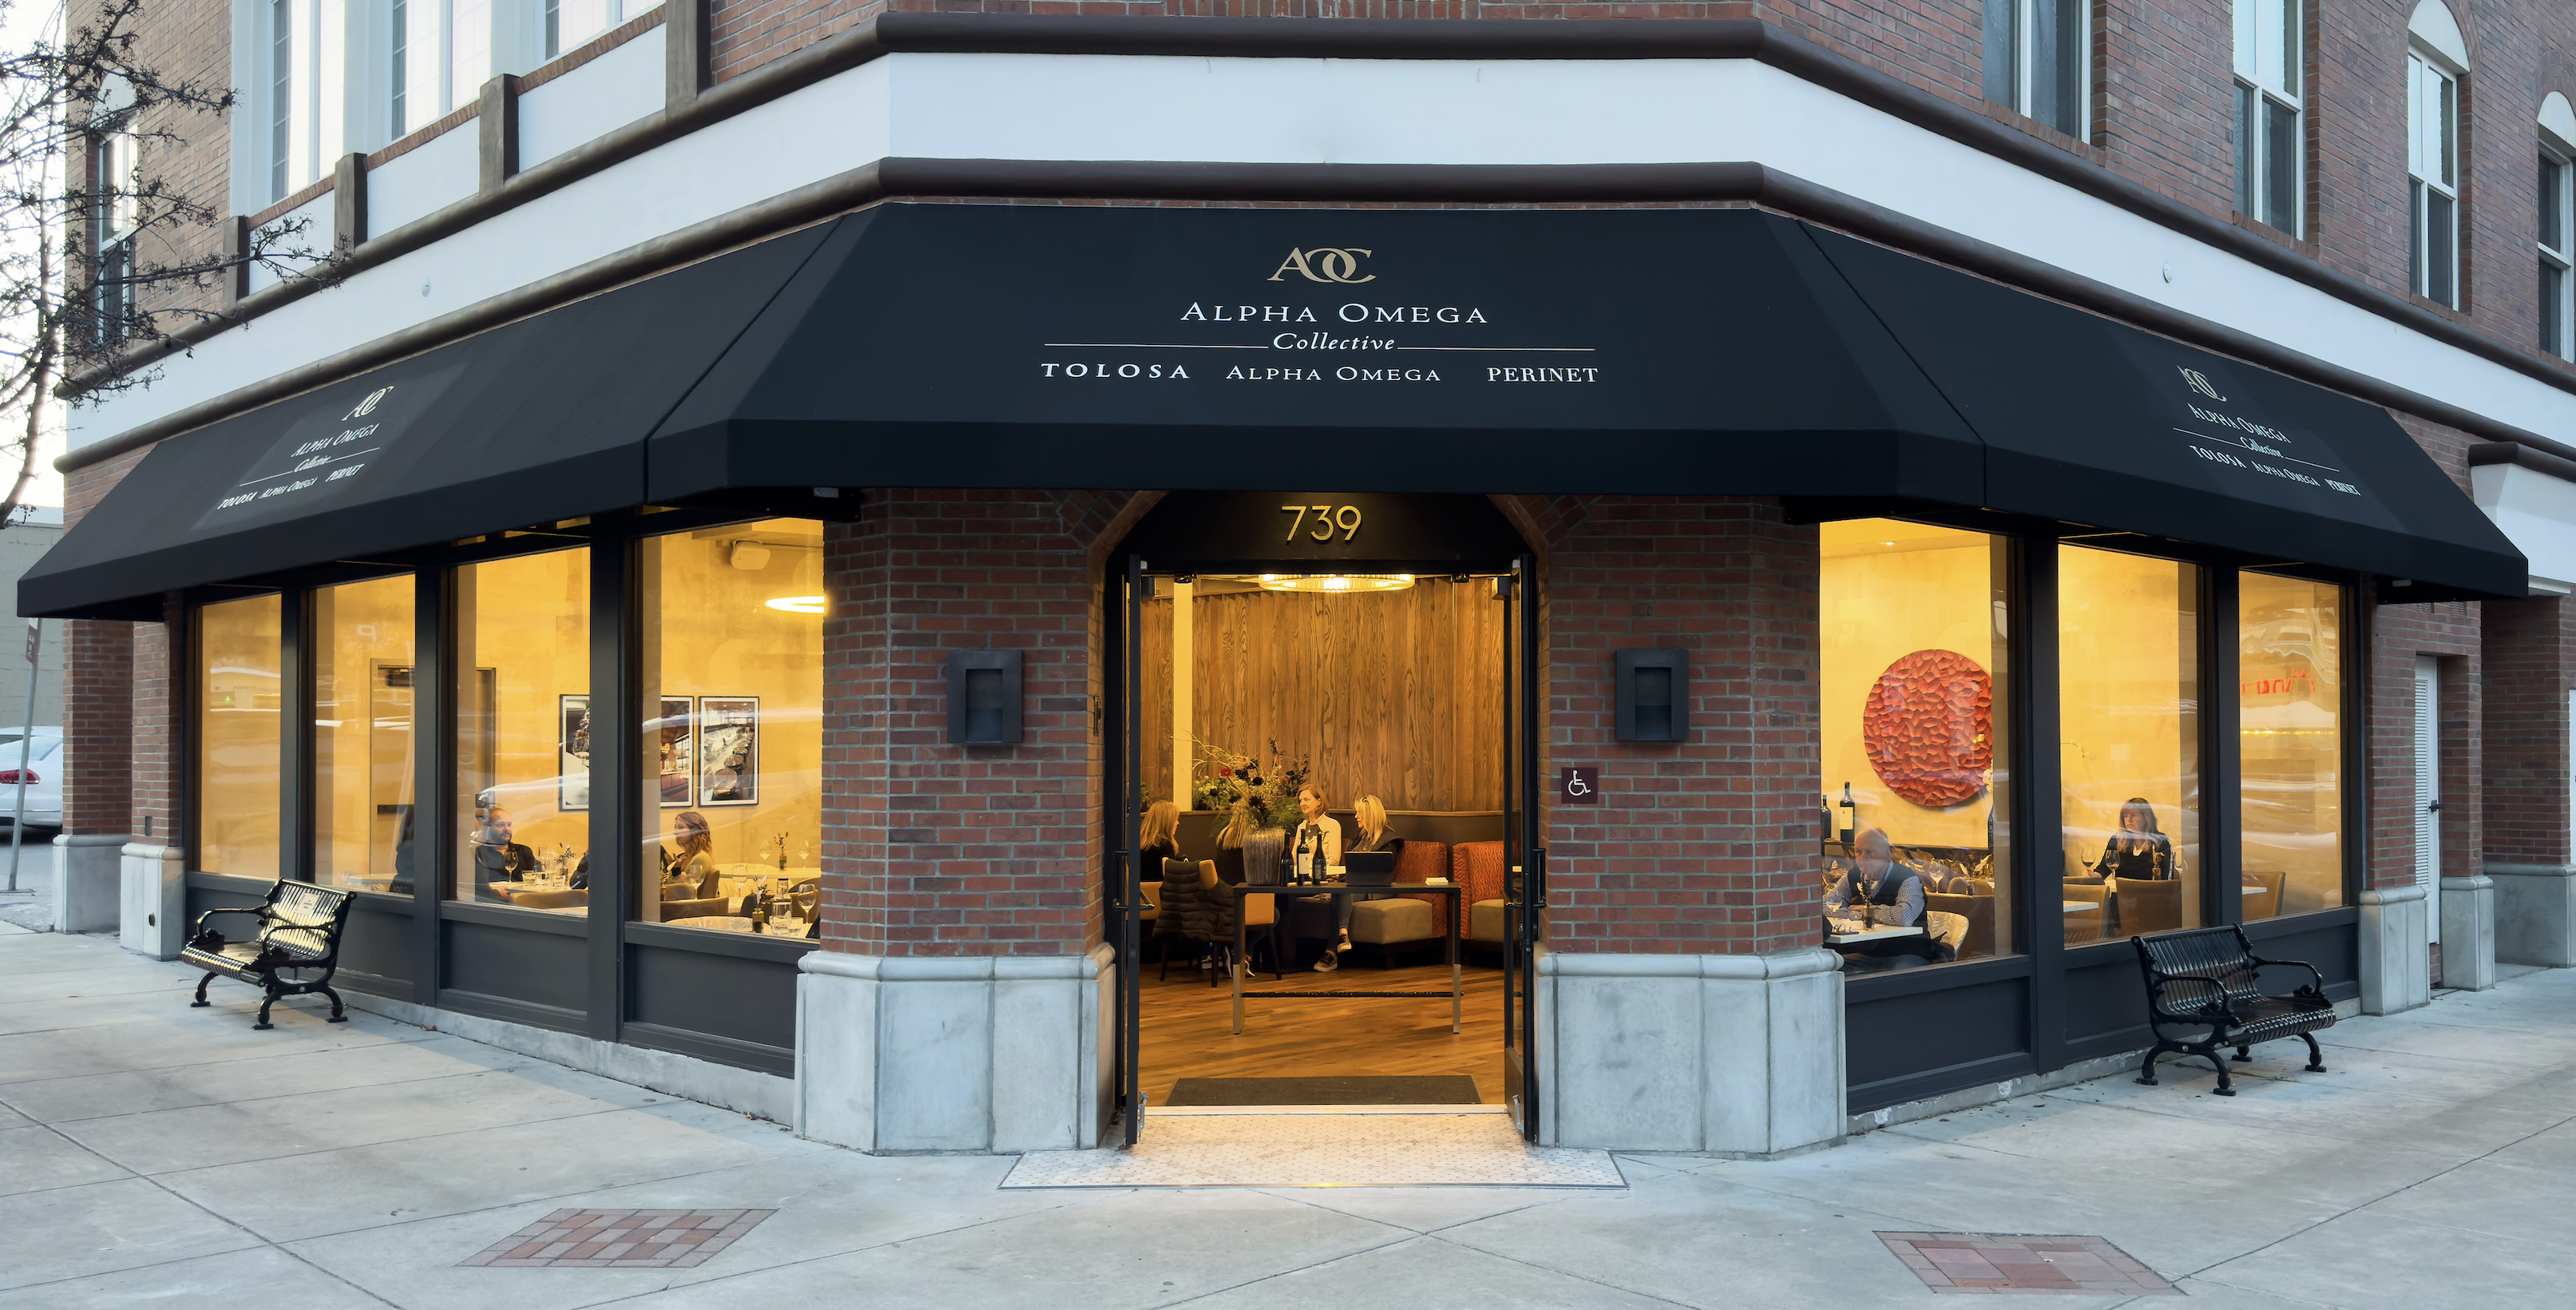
[1929, 728]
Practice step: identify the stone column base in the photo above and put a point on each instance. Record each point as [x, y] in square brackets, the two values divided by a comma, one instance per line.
[1737, 1055]
[2535, 913]
[85, 882]
[2468, 934]
[2396, 950]
[152, 899]
[955, 1053]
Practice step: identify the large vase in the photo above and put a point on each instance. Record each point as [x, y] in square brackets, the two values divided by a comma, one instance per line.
[1262, 850]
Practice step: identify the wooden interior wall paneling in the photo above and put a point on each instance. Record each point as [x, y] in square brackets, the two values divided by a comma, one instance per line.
[1396, 693]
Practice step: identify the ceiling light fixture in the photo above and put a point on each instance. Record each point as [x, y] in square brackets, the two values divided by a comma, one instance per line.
[1336, 584]
[799, 604]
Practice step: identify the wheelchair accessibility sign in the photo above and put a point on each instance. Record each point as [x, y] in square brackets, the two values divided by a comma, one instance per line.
[1579, 785]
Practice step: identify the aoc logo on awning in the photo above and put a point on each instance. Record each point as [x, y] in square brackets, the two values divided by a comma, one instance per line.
[1325, 264]
[2200, 382]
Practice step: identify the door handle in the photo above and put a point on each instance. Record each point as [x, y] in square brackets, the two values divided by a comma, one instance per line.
[2432, 807]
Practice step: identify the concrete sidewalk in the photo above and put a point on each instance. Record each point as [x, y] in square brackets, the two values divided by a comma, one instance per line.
[155, 1154]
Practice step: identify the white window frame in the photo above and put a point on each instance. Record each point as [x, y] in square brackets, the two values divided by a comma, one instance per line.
[2271, 73]
[2027, 61]
[2558, 310]
[116, 214]
[2433, 174]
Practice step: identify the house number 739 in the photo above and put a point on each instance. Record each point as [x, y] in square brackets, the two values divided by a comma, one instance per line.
[1327, 518]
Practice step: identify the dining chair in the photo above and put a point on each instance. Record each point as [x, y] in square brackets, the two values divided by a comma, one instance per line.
[2085, 924]
[2266, 903]
[550, 900]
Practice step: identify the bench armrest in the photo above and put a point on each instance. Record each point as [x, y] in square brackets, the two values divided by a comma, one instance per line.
[2214, 1007]
[2317, 981]
[254, 911]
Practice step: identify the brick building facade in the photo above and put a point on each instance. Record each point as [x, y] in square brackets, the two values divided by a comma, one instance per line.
[949, 873]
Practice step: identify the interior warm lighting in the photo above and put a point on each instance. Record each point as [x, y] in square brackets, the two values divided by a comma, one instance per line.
[798, 604]
[1336, 583]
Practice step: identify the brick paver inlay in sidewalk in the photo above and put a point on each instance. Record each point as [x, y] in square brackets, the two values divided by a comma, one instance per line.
[1989, 1262]
[620, 1239]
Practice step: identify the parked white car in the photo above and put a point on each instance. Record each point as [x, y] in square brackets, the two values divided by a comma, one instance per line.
[44, 781]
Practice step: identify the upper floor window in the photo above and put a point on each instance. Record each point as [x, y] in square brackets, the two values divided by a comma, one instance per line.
[281, 98]
[2436, 59]
[398, 69]
[322, 79]
[2271, 58]
[2036, 59]
[2557, 215]
[115, 211]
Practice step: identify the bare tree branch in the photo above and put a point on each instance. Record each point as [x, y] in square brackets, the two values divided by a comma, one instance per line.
[101, 252]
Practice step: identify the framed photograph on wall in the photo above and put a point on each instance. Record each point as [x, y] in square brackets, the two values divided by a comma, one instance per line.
[675, 733]
[572, 783]
[728, 750]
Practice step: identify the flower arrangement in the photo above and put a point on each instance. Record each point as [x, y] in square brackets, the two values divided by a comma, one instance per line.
[1259, 797]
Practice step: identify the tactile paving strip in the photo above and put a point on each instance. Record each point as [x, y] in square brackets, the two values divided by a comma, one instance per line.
[1990, 1262]
[619, 1239]
[1322, 1150]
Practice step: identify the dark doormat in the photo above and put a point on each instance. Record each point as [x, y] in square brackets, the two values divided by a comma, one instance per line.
[1441, 1089]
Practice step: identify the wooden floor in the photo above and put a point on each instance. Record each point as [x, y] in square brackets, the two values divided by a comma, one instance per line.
[1188, 1027]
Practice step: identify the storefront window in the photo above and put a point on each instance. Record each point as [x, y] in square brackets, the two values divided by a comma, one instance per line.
[523, 732]
[2289, 666]
[241, 710]
[362, 747]
[2128, 673]
[732, 677]
[1912, 625]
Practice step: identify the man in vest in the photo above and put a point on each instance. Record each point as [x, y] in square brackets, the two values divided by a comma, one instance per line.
[1882, 893]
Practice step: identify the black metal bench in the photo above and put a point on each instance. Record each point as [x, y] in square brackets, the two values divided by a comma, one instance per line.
[2204, 979]
[299, 933]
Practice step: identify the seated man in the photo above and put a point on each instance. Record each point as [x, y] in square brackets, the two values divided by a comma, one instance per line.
[496, 857]
[1880, 893]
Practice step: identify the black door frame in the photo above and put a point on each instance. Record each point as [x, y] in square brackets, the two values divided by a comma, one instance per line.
[1127, 582]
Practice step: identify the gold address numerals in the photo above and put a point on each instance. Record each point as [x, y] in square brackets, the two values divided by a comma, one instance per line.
[1328, 519]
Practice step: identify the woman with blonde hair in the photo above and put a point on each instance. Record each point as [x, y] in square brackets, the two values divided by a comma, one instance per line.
[690, 871]
[1375, 833]
[1158, 840]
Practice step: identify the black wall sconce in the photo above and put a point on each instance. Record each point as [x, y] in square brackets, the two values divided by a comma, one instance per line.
[1654, 695]
[983, 697]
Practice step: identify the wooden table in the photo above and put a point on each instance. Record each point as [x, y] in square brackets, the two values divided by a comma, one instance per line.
[1457, 907]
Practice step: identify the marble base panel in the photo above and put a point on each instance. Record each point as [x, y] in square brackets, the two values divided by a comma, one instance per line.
[2468, 933]
[2535, 913]
[85, 883]
[2396, 950]
[152, 895]
[994, 1054]
[1736, 1055]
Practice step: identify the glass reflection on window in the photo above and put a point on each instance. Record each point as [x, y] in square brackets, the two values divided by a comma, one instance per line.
[1916, 866]
[732, 677]
[523, 732]
[2129, 753]
[2289, 663]
[241, 715]
[362, 744]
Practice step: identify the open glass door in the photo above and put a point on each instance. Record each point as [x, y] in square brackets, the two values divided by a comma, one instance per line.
[1127, 791]
[1524, 860]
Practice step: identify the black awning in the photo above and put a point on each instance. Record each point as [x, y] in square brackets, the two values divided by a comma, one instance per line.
[2089, 421]
[537, 421]
[1651, 351]
[1692, 352]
